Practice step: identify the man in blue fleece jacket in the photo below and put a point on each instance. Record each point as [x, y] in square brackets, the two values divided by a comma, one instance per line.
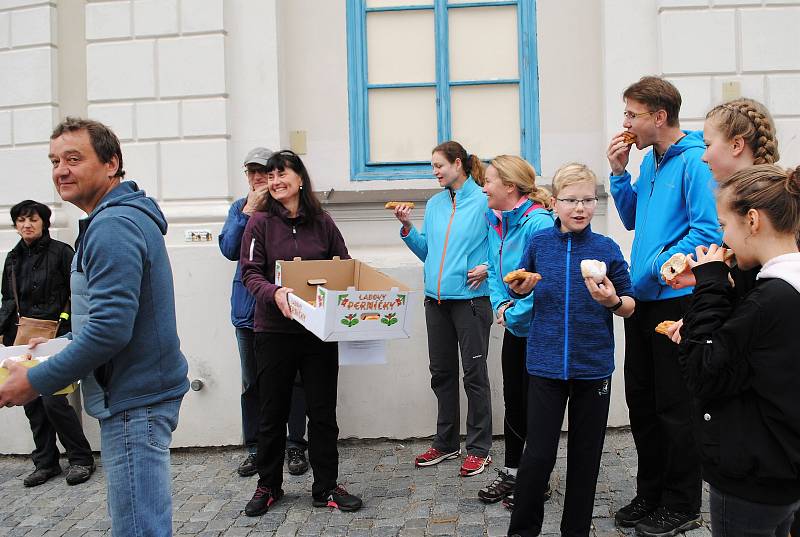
[125, 344]
[672, 210]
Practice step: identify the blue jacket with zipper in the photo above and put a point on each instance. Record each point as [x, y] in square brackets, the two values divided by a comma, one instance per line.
[124, 333]
[508, 238]
[672, 209]
[453, 240]
[243, 304]
[571, 335]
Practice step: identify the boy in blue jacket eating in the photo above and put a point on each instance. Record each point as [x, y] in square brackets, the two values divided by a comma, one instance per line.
[570, 354]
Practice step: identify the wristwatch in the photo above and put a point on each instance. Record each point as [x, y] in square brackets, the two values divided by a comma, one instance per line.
[616, 306]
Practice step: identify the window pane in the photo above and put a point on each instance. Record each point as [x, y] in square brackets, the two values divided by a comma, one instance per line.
[485, 119]
[402, 124]
[393, 3]
[456, 2]
[400, 47]
[483, 43]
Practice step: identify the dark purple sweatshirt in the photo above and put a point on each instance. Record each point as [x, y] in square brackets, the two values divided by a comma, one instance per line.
[272, 237]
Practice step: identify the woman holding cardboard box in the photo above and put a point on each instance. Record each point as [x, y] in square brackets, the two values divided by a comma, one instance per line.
[292, 224]
[36, 286]
[453, 246]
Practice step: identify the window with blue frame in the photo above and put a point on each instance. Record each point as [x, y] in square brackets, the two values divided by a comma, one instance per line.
[424, 71]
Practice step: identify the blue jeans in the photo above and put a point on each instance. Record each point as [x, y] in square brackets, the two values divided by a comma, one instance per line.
[732, 516]
[245, 338]
[135, 453]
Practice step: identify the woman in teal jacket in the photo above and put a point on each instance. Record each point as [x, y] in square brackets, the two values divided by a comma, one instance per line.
[517, 210]
[458, 314]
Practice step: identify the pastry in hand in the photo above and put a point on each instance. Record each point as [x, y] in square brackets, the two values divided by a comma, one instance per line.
[521, 274]
[673, 266]
[395, 204]
[628, 138]
[594, 269]
[662, 327]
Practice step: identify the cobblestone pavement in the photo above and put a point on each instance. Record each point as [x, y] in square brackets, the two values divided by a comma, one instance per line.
[398, 499]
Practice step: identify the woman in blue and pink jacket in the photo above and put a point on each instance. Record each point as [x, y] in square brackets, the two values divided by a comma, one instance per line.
[517, 209]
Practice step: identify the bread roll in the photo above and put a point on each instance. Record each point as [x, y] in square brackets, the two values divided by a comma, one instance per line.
[594, 269]
[521, 274]
[628, 137]
[394, 204]
[662, 327]
[673, 266]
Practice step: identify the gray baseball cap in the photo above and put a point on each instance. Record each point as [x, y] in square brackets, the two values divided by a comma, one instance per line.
[258, 155]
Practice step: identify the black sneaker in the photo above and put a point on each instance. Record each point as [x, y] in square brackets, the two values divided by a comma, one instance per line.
[296, 461]
[508, 501]
[40, 476]
[79, 473]
[634, 512]
[248, 466]
[261, 501]
[340, 499]
[502, 486]
[664, 522]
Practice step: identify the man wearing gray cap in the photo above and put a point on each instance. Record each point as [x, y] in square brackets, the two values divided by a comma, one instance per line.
[242, 307]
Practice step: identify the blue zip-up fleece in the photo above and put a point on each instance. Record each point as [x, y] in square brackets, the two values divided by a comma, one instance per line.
[459, 225]
[508, 239]
[672, 209]
[571, 335]
[243, 304]
[123, 311]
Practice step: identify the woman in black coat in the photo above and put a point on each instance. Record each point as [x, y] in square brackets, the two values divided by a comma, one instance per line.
[40, 267]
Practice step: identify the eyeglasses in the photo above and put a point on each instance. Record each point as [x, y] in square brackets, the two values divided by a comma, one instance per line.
[571, 203]
[632, 115]
[252, 173]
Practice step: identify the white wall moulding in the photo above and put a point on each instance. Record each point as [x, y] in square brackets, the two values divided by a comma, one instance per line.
[108, 20]
[117, 71]
[155, 17]
[189, 66]
[12, 4]
[28, 166]
[773, 30]
[117, 116]
[695, 94]
[33, 80]
[36, 26]
[34, 125]
[784, 94]
[159, 119]
[682, 30]
[5, 127]
[750, 86]
[194, 169]
[202, 16]
[204, 117]
[141, 161]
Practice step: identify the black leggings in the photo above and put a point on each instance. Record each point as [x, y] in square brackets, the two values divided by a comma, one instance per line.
[515, 396]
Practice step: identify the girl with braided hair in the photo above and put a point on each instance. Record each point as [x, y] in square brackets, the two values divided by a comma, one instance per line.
[737, 134]
[739, 356]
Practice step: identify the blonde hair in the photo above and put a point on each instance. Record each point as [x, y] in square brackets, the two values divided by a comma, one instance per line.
[517, 172]
[752, 121]
[572, 173]
[768, 188]
[472, 165]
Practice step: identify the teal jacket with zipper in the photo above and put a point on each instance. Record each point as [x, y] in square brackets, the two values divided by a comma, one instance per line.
[508, 238]
[452, 241]
[672, 209]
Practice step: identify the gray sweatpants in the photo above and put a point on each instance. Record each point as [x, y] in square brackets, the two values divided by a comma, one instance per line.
[464, 325]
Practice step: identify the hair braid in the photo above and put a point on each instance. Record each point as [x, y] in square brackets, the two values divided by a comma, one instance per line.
[750, 120]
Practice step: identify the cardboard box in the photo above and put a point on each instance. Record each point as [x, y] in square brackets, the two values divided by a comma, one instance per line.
[346, 300]
[39, 354]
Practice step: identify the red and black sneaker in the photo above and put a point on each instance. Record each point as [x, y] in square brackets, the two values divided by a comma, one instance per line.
[338, 498]
[261, 501]
[433, 456]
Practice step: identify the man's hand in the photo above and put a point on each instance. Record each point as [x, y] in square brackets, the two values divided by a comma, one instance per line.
[602, 292]
[16, 390]
[618, 154]
[476, 276]
[255, 200]
[282, 301]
